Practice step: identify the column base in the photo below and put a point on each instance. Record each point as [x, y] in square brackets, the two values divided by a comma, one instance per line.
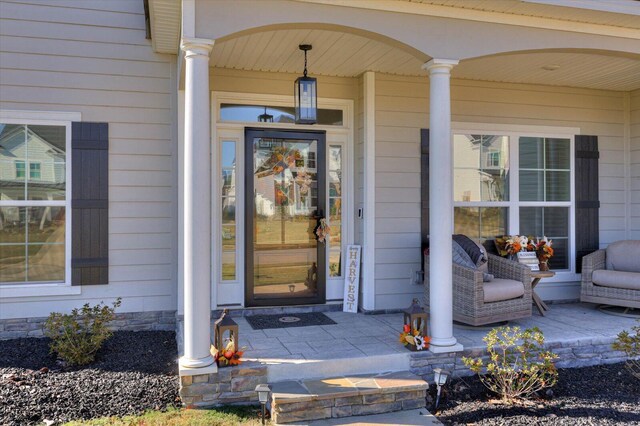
[195, 364]
[442, 349]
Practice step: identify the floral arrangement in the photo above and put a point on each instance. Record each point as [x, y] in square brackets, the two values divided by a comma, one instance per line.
[229, 356]
[413, 337]
[511, 245]
[544, 251]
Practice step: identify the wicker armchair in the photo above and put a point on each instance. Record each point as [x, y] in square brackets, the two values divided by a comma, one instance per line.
[469, 306]
[604, 294]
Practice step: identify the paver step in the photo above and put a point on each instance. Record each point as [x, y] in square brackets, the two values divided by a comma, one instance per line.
[344, 396]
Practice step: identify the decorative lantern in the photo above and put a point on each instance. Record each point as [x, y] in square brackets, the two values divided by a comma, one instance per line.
[223, 325]
[265, 118]
[306, 94]
[416, 318]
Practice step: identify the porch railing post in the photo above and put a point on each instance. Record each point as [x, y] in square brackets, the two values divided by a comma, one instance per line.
[440, 206]
[197, 206]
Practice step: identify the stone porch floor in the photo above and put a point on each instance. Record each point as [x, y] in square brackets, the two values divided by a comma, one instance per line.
[358, 335]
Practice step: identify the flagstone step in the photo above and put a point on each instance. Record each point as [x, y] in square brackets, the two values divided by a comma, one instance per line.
[344, 396]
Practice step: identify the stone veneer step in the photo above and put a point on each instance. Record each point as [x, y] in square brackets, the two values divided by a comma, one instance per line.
[344, 396]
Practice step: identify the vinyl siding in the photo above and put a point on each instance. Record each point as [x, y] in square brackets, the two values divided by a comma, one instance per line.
[634, 222]
[402, 109]
[94, 59]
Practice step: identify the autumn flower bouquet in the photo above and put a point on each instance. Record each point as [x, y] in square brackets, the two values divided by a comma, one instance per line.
[510, 245]
[228, 356]
[413, 339]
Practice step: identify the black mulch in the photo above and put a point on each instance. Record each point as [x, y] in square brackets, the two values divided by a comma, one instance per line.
[600, 395]
[262, 322]
[134, 372]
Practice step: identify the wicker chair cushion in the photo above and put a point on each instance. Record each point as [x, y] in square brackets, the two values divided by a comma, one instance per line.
[623, 256]
[617, 279]
[502, 289]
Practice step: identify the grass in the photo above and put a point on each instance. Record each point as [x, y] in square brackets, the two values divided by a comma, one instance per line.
[224, 416]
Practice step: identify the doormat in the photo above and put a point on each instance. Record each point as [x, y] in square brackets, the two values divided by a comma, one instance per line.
[263, 322]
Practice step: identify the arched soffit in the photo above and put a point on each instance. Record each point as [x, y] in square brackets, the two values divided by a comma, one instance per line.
[331, 27]
[435, 37]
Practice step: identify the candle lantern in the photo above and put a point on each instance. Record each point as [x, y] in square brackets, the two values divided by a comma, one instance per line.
[223, 326]
[415, 318]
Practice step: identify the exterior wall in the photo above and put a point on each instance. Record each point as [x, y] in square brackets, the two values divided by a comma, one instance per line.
[634, 222]
[402, 109]
[95, 60]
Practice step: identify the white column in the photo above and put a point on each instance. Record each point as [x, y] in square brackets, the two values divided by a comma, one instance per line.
[440, 206]
[197, 206]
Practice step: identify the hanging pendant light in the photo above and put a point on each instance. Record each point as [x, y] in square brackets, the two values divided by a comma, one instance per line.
[265, 118]
[306, 94]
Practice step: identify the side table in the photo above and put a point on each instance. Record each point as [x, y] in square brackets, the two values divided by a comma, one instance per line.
[537, 276]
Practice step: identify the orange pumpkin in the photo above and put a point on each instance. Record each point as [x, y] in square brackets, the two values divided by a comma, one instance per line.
[228, 354]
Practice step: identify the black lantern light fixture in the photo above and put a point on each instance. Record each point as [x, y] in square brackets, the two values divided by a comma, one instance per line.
[440, 377]
[265, 118]
[263, 391]
[306, 94]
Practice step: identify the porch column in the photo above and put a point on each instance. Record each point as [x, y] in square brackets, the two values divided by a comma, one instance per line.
[440, 206]
[197, 206]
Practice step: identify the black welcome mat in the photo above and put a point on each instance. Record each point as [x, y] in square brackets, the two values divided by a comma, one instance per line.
[262, 322]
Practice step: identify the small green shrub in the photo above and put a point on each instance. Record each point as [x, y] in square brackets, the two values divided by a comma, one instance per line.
[630, 345]
[518, 365]
[76, 337]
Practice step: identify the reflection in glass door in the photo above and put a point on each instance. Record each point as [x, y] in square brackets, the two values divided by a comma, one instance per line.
[286, 195]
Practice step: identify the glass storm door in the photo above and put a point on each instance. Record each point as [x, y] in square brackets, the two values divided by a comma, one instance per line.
[286, 196]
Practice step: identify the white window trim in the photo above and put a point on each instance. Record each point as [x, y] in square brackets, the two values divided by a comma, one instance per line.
[219, 128]
[50, 118]
[513, 132]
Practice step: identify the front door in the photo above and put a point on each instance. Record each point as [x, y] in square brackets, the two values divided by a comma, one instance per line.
[285, 198]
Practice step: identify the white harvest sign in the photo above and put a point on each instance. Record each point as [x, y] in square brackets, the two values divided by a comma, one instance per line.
[352, 280]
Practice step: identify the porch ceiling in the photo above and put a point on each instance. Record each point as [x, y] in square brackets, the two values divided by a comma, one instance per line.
[344, 54]
[334, 53]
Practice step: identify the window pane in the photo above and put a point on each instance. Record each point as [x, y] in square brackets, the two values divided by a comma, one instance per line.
[13, 222]
[531, 153]
[481, 223]
[552, 222]
[13, 264]
[46, 262]
[558, 186]
[13, 153]
[557, 154]
[250, 113]
[556, 221]
[335, 210]
[228, 253]
[229, 210]
[46, 224]
[46, 146]
[481, 168]
[531, 185]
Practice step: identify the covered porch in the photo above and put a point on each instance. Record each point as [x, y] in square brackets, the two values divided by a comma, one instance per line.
[402, 87]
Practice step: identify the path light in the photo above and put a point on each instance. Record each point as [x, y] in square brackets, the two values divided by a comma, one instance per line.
[306, 94]
[263, 396]
[440, 377]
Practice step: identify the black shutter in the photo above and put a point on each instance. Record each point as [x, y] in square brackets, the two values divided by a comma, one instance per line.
[424, 187]
[89, 203]
[587, 198]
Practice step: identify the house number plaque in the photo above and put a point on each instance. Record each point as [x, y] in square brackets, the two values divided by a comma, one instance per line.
[352, 280]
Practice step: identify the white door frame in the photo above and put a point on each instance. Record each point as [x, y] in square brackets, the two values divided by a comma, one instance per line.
[231, 293]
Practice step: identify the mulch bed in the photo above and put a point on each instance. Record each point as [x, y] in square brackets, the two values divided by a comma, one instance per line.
[134, 372]
[600, 395]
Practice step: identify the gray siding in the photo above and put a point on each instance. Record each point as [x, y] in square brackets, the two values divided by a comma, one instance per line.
[634, 222]
[94, 59]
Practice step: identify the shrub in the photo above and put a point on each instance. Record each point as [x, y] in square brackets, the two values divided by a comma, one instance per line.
[630, 345]
[76, 337]
[518, 365]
